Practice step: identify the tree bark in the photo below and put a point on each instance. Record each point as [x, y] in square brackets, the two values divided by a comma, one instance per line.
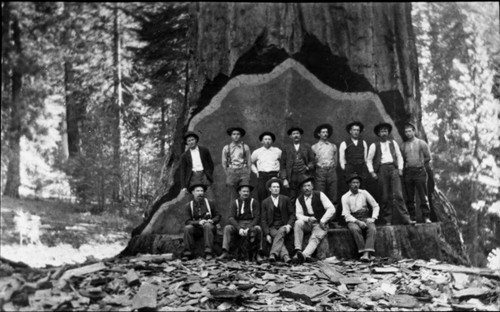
[271, 66]
[115, 110]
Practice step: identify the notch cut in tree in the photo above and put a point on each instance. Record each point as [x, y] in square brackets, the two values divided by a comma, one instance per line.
[272, 66]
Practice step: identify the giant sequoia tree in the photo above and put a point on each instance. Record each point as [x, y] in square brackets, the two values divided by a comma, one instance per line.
[271, 66]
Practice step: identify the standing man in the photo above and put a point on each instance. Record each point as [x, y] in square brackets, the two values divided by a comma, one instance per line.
[325, 162]
[245, 214]
[196, 165]
[277, 219]
[313, 210]
[265, 163]
[385, 164]
[353, 152]
[417, 158]
[236, 161]
[202, 218]
[357, 215]
[297, 161]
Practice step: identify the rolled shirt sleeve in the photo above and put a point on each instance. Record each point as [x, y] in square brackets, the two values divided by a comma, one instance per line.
[329, 207]
[369, 159]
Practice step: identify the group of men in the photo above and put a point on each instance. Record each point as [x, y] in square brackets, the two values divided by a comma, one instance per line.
[297, 188]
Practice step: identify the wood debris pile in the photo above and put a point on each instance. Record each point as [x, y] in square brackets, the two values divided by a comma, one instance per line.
[158, 282]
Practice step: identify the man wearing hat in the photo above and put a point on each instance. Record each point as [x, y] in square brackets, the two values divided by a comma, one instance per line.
[417, 158]
[202, 219]
[325, 162]
[297, 160]
[245, 214]
[353, 152]
[236, 161]
[196, 165]
[385, 164]
[277, 219]
[357, 215]
[265, 163]
[313, 210]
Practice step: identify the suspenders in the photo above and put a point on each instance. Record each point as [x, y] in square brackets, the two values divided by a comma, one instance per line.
[238, 207]
[208, 207]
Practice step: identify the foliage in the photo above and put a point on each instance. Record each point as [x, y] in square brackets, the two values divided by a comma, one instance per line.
[458, 48]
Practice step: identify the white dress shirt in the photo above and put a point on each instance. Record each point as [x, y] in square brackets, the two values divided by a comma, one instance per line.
[195, 156]
[327, 204]
[266, 159]
[354, 202]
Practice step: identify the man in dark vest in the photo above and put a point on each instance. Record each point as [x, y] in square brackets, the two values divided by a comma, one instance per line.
[245, 215]
[297, 161]
[202, 219]
[313, 210]
[277, 219]
[385, 164]
[353, 152]
[196, 165]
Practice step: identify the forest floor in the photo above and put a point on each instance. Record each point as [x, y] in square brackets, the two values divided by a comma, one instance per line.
[69, 233]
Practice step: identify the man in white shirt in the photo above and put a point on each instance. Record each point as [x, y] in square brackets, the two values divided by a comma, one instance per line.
[265, 163]
[313, 210]
[325, 162]
[357, 215]
[385, 164]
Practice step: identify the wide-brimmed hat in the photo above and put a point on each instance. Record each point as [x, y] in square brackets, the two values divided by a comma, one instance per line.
[292, 129]
[352, 177]
[355, 123]
[239, 129]
[411, 124]
[191, 134]
[243, 185]
[272, 180]
[192, 187]
[273, 137]
[382, 125]
[318, 129]
[305, 179]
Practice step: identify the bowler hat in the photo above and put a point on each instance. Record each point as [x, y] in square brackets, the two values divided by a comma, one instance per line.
[192, 187]
[273, 137]
[318, 129]
[243, 185]
[355, 123]
[191, 134]
[305, 179]
[352, 177]
[272, 180]
[239, 129]
[382, 125]
[292, 129]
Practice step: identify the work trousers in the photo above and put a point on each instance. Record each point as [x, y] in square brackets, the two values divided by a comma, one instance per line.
[326, 182]
[194, 231]
[262, 191]
[278, 248]
[390, 186]
[317, 235]
[294, 190]
[231, 233]
[234, 178]
[416, 178]
[371, 232]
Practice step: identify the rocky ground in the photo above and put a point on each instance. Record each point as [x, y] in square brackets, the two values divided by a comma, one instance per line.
[161, 283]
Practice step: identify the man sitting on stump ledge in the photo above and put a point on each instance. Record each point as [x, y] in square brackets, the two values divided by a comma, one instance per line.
[203, 217]
[313, 210]
[356, 213]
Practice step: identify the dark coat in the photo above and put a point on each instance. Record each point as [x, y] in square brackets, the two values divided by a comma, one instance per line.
[267, 212]
[186, 166]
[234, 214]
[287, 159]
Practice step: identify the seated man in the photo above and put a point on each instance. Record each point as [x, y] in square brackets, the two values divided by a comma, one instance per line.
[278, 217]
[356, 213]
[313, 211]
[244, 215]
[203, 217]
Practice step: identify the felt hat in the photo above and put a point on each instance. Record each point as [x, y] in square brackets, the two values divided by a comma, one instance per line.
[241, 131]
[411, 124]
[191, 134]
[352, 177]
[292, 129]
[192, 187]
[273, 137]
[382, 125]
[272, 180]
[355, 123]
[305, 179]
[318, 129]
[243, 185]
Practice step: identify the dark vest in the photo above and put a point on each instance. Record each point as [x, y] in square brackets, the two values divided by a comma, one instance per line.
[378, 155]
[354, 155]
[277, 216]
[317, 205]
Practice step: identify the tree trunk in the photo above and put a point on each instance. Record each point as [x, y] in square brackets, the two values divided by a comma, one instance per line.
[270, 66]
[117, 101]
[14, 131]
